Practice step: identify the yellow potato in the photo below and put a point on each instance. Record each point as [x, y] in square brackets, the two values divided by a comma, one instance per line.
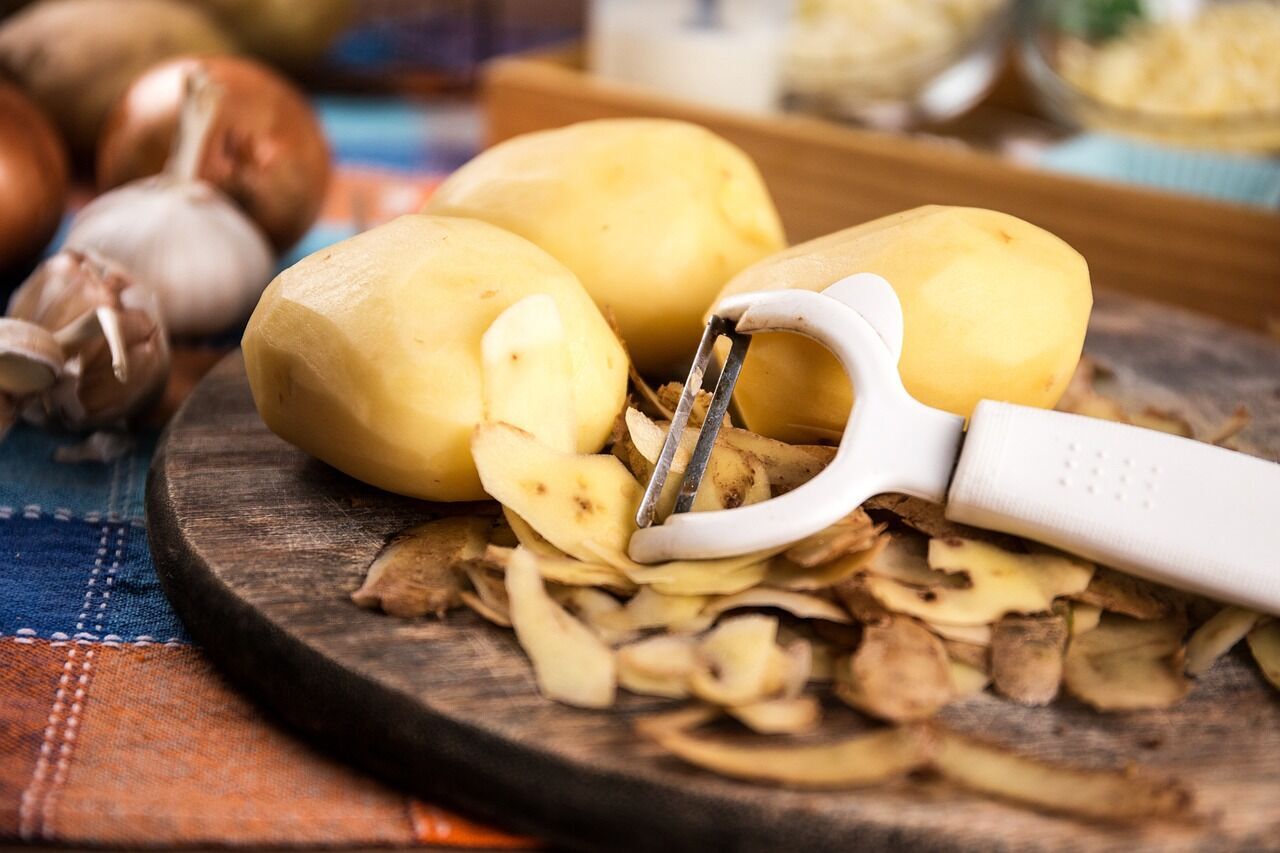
[653, 215]
[367, 354]
[993, 308]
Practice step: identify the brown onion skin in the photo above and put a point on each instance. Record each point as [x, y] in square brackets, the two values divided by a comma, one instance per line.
[75, 57]
[266, 150]
[33, 179]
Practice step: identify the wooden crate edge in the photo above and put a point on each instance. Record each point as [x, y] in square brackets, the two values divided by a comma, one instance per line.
[1217, 258]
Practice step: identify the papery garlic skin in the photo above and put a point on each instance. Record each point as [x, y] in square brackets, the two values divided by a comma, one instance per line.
[207, 261]
[113, 336]
[31, 358]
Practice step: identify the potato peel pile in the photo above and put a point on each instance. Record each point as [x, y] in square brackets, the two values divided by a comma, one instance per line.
[893, 611]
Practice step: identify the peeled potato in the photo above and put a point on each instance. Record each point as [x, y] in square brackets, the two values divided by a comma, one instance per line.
[993, 308]
[653, 215]
[367, 354]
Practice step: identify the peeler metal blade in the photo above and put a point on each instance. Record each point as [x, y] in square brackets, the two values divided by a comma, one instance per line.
[891, 441]
[717, 327]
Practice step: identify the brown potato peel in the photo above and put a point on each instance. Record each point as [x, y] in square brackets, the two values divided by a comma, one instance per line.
[1126, 663]
[416, 572]
[895, 610]
[1027, 657]
[1109, 795]
[900, 672]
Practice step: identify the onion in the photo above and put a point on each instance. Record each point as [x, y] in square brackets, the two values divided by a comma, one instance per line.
[287, 33]
[76, 57]
[180, 235]
[266, 150]
[33, 179]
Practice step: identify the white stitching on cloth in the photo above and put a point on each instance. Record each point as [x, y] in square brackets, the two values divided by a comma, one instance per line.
[40, 792]
[57, 638]
[35, 512]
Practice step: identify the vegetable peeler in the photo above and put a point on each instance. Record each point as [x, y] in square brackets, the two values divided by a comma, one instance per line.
[1170, 509]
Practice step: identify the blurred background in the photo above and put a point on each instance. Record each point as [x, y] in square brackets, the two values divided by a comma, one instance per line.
[1180, 96]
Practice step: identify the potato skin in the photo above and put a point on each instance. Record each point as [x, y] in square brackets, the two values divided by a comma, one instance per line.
[367, 354]
[993, 308]
[653, 215]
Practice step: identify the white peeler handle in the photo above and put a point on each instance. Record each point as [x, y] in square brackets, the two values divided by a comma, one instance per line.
[1160, 506]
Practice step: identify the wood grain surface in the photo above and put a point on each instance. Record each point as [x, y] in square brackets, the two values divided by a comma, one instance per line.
[259, 546]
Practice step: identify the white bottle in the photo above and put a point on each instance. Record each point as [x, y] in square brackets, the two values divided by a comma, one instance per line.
[722, 54]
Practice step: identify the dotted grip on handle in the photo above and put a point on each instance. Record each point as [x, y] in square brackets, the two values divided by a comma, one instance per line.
[1167, 508]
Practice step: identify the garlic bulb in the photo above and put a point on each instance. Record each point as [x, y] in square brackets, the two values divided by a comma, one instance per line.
[110, 331]
[207, 261]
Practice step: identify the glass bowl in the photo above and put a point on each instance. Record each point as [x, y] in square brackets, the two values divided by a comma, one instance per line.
[1175, 77]
[894, 64]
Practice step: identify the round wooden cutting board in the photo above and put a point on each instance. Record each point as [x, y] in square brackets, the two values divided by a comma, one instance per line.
[259, 547]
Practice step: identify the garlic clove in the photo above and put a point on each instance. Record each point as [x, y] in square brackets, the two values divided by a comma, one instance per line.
[102, 321]
[113, 332]
[30, 358]
[104, 399]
